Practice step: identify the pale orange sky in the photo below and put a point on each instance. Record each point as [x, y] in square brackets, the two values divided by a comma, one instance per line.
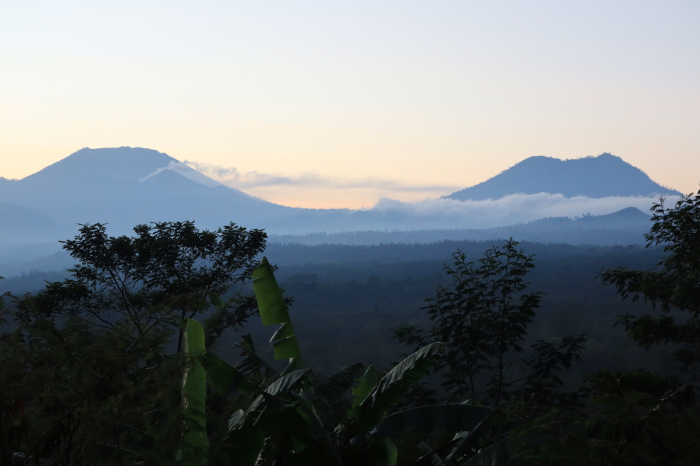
[353, 102]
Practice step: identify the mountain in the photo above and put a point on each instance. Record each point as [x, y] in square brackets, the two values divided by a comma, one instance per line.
[596, 177]
[626, 226]
[19, 223]
[125, 186]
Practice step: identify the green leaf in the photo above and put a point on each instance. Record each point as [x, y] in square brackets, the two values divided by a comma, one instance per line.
[273, 310]
[497, 454]
[495, 423]
[395, 384]
[136, 439]
[288, 382]
[244, 444]
[252, 363]
[428, 419]
[312, 456]
[194, 450]
[364, 386]
[223, 377]
[392, 454]
[336, 385]
[269, 399]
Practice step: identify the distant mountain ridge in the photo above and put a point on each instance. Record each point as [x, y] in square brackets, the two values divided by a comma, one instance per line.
[595, 177]
[126, 186]
[625, 227]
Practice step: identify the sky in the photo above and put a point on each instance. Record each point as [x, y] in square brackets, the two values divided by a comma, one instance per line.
[341, 104]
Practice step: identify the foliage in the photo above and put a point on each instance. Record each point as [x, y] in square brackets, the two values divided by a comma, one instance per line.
[638, 417]
[673, 286]
[283, 426]
[167, 270]
[482, 317]
[628, 418]
[85, 377]
[76, 385]
[194, 445]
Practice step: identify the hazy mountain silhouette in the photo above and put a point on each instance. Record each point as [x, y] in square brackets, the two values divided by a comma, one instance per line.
[603, 176]
[125, 186]
[19, 223]
[625, 227]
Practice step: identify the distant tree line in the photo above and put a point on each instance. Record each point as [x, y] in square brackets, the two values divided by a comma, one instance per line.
[120, 364]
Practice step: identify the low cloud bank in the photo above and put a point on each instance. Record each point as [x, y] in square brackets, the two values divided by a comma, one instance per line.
[509, 210]
[234, 178]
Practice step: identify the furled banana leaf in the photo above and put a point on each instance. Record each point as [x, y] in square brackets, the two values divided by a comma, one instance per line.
[194, 445]
[428, 419]
[273, 310]
[395, 384]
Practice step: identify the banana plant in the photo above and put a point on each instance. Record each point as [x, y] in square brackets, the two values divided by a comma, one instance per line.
[283, 422]
[194, 445]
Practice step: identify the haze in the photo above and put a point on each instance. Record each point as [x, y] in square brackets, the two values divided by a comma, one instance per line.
[329, 104]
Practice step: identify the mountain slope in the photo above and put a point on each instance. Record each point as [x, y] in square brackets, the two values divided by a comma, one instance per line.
[594, 177]
[125, 186]
[21, 224]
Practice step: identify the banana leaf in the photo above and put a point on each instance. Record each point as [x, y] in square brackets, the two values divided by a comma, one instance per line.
[224, 377]
[392, 454]
[136, 439]
[428, 419]
[497, 454]
[434, 459]
[395, 384]
[268, 399]
[364, 387]
[273, 310]
[252, 363]
[244, 443]
[336, 385]
[194, 445]
[495, 423]
[312, 457]
[288, 382]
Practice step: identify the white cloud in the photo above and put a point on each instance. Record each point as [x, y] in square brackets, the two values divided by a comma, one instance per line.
[232, 177]
[509, 210]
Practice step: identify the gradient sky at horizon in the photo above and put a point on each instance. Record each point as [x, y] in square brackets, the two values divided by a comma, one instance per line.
[335, 104]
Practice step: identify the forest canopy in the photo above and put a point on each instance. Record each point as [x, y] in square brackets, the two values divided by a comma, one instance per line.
[122, 363]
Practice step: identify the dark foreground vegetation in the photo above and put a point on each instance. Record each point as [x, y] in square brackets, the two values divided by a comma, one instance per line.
[129, 361]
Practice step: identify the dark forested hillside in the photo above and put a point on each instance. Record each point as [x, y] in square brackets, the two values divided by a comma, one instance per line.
[348, 298]
[153, 342]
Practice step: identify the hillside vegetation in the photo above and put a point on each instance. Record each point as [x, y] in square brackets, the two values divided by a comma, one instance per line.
[498, 354]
